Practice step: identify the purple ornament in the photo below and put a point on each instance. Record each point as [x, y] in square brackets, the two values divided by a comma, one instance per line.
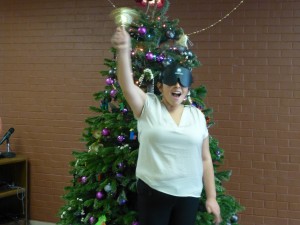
[124, 111]
[122, 201]
[113, 93]
[160, 58]
[149, 56]
[92, 220]
[142, 31]
[83, 180]
[120, 138]
[105, 132]
[119, 175]
[195, 104]
[109, 81]
[135, 223]
[99, 195]
[121, 165]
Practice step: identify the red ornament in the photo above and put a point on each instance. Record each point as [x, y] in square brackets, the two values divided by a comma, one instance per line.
[160, 3]
[98, 177]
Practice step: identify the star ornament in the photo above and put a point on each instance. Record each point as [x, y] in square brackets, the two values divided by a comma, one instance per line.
[123, 16]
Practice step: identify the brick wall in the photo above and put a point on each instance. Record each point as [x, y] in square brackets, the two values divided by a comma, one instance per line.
[51, 53]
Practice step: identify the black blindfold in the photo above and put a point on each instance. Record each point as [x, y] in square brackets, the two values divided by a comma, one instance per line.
[175, 73]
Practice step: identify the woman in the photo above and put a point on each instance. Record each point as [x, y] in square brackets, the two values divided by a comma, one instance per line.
[174, 159]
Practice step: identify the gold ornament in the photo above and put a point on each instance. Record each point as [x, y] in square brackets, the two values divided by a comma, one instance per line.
[183, 40]
[123, 16]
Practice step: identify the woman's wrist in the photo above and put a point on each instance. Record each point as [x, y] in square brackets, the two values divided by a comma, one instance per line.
[211, 196]
[123, 51]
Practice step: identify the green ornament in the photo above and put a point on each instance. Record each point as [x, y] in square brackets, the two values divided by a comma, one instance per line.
[101, 220]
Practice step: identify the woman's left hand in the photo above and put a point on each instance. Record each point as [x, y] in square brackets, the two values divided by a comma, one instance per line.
[213, 207]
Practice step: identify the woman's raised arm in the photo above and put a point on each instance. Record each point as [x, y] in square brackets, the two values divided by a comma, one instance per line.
[133, 94]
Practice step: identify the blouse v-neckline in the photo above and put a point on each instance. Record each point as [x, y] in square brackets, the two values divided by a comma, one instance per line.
[171, 117]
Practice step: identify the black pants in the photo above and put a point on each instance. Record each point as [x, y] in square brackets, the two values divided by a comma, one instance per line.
[157, 208]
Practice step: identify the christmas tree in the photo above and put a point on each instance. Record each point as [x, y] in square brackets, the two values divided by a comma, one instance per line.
[103, 190]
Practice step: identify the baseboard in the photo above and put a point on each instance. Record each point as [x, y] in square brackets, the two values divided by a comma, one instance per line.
[34, 222]
[13, 222]
[31, 222]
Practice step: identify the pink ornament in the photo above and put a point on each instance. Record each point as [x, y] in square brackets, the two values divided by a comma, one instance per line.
[99, 195]
[105, 132]
[109, 81]
[113, 93]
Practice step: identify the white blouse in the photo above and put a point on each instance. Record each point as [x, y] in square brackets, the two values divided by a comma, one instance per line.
[170, 155]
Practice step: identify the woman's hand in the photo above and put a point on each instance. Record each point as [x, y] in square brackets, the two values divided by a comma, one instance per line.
[121, 39]
[212, 206]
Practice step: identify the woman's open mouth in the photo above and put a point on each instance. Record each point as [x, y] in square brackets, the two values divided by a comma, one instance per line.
[176, 94]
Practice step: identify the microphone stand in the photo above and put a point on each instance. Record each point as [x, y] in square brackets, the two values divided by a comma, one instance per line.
[8, 153]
